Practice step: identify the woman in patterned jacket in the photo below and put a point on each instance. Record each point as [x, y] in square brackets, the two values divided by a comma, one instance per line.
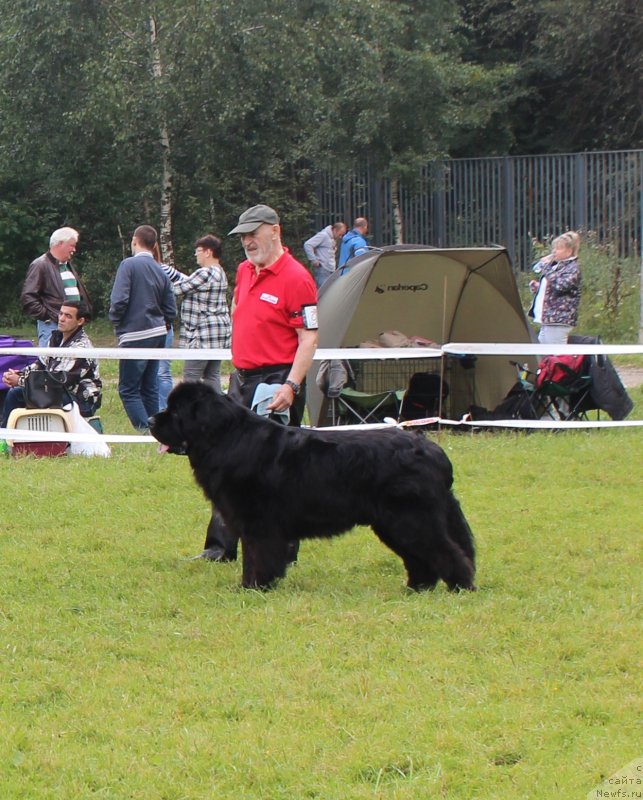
[555, 305]
[205, 316]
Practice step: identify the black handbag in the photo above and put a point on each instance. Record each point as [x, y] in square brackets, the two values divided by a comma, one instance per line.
[44, 389]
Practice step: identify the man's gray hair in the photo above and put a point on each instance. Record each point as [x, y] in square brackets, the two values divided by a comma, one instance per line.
[63, 235]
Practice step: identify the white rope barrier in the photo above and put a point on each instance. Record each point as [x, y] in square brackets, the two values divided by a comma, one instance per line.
[218, 353]
[337, 353]
[25, 435]
[343, 353]
[535, 424]
[506, 349]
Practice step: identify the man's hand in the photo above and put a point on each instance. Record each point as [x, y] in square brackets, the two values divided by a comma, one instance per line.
[10, 377]
[282, 399]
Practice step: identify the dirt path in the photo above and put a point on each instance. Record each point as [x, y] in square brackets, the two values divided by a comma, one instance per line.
[631, 376]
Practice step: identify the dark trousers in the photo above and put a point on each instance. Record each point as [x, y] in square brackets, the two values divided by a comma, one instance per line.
[138, 384]
[243, 384]
[15, 398]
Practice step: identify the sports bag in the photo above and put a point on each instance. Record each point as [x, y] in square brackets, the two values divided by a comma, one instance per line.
[10, 360]
[45, 390]
[563, 370]
[519, 403]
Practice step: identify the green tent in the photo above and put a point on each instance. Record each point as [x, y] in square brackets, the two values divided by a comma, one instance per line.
[440, 294]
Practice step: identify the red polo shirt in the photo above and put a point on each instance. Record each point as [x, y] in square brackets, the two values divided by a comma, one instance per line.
[268, 311]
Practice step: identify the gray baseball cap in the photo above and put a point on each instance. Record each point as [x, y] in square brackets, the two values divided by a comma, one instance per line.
[251, 219]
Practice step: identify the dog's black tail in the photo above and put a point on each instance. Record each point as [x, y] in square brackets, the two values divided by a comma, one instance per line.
[460, 533]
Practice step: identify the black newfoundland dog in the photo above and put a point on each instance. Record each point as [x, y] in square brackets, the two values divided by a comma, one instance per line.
[273, 483]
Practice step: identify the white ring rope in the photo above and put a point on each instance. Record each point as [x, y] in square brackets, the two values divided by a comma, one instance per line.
[344, 353]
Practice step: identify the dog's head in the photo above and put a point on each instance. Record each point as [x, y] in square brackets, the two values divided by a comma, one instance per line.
[192, 412]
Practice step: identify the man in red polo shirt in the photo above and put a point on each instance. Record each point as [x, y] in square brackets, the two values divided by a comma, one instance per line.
[274, 335]
[274, 316]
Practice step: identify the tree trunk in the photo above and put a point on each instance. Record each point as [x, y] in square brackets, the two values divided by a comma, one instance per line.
[398, 227]
[167, 176]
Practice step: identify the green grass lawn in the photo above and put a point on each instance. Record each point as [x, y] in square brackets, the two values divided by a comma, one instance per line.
[128, 671]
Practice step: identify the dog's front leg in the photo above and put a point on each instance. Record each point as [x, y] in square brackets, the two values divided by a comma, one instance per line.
[264, 561]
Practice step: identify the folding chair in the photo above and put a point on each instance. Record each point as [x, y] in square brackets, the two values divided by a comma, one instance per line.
[356, 408]
[49, 420]
[570, 396]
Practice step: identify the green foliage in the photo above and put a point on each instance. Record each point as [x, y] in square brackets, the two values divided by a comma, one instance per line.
[610, 304]
[182, 114]
[129, 671]
[578, 70]
[21, 240]
[115, 108]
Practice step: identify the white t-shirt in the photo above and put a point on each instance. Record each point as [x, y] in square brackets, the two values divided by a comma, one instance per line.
[539, 302]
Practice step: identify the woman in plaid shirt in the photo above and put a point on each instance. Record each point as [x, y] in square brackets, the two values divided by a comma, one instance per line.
[205, 316]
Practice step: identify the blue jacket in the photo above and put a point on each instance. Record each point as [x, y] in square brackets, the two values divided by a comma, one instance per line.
[353, 244]
[142, 301]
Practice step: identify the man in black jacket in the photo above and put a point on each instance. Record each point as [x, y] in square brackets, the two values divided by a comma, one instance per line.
[51, 280]
[142, 311]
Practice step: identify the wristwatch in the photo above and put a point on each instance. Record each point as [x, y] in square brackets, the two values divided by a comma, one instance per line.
[296, 388]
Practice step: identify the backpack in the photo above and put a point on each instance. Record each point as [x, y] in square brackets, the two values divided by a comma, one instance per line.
[519, 403]
[563, 370]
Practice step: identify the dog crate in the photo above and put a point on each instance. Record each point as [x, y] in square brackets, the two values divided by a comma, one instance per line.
[394, 375]
[50, 420]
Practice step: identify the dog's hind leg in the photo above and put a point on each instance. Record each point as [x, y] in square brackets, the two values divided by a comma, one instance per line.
[459, 529]
[428, 552]
[462, 569]
[420, 569]
[265, 560]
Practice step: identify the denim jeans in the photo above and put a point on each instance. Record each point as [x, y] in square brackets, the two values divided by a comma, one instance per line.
[138, 384]
[321, 275]
[166, 382]
[15, 398]
[45, 329]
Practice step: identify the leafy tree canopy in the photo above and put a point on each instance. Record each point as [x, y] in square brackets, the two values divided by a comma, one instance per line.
[116, 112]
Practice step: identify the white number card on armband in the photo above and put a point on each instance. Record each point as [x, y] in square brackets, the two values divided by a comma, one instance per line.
[309, 314]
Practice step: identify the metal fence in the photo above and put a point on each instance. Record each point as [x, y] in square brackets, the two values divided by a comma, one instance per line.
[510, 200]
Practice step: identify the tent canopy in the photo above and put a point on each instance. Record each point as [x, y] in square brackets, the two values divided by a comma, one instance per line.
[441, 294]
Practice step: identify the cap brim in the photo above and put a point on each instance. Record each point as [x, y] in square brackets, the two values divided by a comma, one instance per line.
[246, 227]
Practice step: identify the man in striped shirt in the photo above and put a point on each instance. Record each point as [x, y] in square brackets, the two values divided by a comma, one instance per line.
[51, 280]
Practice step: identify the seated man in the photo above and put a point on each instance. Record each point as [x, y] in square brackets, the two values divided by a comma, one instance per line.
[81, 376]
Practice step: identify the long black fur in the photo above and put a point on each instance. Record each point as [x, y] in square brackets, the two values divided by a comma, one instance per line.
[273, 483]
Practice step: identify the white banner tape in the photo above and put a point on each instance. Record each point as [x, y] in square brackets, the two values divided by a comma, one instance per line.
[339, 353]
[347, 353]
[23, 435]
[507, 349]
[218, 353]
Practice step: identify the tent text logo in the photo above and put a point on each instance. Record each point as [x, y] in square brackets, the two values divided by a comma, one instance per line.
[402, 287]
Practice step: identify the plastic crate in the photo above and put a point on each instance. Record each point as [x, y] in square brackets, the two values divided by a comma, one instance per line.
[39, 449]
[51, 420]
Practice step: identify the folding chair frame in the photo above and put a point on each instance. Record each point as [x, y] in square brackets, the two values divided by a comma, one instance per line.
[568, 403]
[365, 407]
